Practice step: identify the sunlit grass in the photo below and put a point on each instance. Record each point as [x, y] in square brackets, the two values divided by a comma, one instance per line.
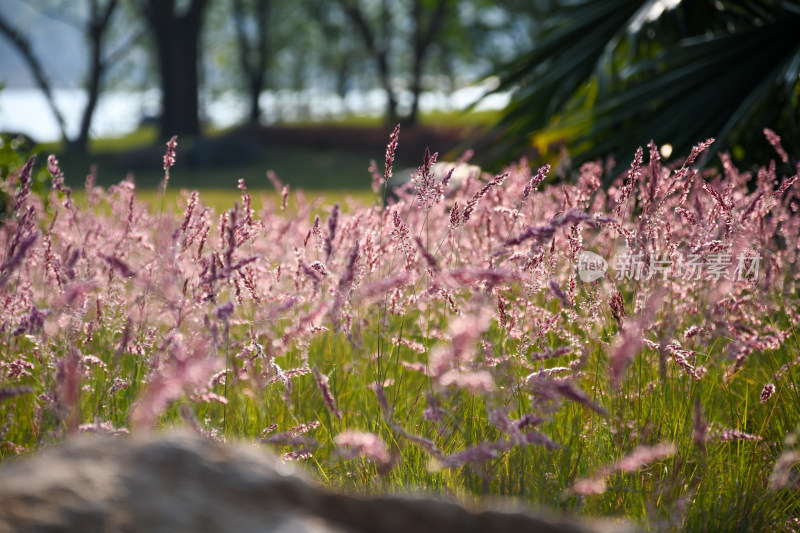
[436, 334]
[224, 199]
[427, 118]
[138, 155]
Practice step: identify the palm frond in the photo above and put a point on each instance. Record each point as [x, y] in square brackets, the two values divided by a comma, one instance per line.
[606, 82]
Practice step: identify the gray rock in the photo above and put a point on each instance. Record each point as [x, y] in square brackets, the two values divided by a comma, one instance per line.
[181, 483]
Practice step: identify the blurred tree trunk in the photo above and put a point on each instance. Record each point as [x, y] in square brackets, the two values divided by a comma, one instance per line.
[177, 39]
[341, 63]
[378, 47]
[253, 52]
[99, 19]
[424, 36]
[428, 20]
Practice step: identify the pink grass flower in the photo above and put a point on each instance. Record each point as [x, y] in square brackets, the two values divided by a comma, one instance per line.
[472, 204]
[25, 182]
[169, 156]
[185, 370]
[681, 357]
[333, 222]
[464, 334]
[11, 392]
[15, 259]
[639, 458]
[68, 386]
[775, 140]
[297, 456]
[433, 265]
[534, 182]
[767, 392]
[275, 181]
[644, 455]
[390, 150]
[478, 454]
[624, 350]
[571, 392]
[633, 177]
[784, 473]
[266, 431]
[544, 232]
[729, 435]
[102, 428]
[352, 444]
[692, 331]
[120, 266]
[377, 179]
[788, 182]
[697, 150]
[410, 344]
[424, 179]
[327, 395]
[302, 429]
[426, 444]
[589, 486]
[473, 276]
[291, 439]
[475, 382]
[617, 306]
[284, 198]
[560, 294]
[655, 173]
[550, 353]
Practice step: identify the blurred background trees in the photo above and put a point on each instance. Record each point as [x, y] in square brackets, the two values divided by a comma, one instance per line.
[427, 22]
[252, 21]
[197, 47]
[596, 77]
[94, 19]
[175, 29]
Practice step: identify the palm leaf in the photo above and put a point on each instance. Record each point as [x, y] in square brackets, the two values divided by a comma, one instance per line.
[709, 73]
[703, 89]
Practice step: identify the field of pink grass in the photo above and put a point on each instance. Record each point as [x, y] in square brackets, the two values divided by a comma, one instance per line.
[448, 341]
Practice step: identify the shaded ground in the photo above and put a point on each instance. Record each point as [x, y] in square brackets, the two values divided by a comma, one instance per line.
[311, 157]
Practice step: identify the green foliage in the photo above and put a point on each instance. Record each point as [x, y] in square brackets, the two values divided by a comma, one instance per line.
[606, 77]
[15, 150]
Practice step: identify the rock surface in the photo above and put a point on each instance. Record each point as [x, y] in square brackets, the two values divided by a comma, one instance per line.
[180, 483]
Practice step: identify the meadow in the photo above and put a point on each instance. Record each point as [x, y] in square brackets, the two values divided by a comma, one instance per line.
[626, 352]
